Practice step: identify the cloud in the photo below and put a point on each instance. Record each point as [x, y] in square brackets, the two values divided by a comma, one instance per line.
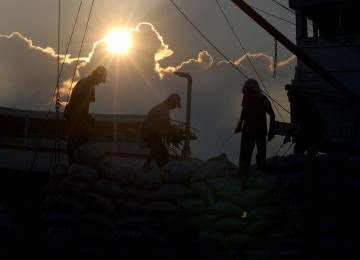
[16, 36]
[246, 62]
[138, 80]
[203, 62]
[27, 72]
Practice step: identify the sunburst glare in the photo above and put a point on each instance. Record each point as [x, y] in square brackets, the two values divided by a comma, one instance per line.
[118, 41]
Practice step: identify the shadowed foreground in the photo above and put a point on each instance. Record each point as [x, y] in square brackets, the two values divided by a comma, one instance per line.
[298, 208]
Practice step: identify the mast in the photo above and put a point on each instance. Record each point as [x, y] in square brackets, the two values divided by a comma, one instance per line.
[338, 85]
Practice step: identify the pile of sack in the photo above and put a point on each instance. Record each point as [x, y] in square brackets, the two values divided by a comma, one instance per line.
[188, 208]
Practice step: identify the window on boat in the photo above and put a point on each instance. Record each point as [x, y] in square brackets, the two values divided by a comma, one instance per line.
[330, 19]
[115, 132]
[46, 128]
[102, 131]
[12, 126]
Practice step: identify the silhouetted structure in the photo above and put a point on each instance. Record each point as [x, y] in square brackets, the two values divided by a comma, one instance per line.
[307, 126]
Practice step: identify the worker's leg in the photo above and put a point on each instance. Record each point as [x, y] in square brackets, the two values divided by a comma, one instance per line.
[158, 152]
[246, 150]
[261, 151]
[77, 135]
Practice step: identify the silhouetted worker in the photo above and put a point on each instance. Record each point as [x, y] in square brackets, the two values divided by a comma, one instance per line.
[156, 126]
[76, 111]
[307, 125]
[253, 125]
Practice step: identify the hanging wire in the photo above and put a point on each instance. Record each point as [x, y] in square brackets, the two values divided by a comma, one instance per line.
[57, 104]
[56, 92]
[56, 155]
[68, 47]
[275, 56]
[227, 139]
[251, 63]
[82, 42]
[283, 6]
[288, 149]
[275, 16]
[267, 94]
[231, 63]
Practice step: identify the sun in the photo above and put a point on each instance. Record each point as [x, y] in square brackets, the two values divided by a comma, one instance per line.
[118, 41]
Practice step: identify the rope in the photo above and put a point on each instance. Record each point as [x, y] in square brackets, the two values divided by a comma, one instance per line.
[275, 56]
[68, 46]
[227, 139]
[231, 63]
[266, 94]
[287, 150]
[56, 156]
[251, 63]
[56, 92]
[82, 42]
[283, 6]
[248, 58]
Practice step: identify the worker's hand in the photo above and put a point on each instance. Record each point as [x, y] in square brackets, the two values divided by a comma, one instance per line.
[176, 142]
[287, 139]
[238, 129]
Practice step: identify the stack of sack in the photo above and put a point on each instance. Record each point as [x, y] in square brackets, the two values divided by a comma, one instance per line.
[188, 208]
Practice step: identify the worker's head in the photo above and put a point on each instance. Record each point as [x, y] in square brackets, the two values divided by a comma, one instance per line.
[99, 74]
[288, 87]
[252, 85]
[173, 101]
[295, 95]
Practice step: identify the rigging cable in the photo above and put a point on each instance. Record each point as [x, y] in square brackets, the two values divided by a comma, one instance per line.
[55, 93]
[283, 6]
[57, 89]
[68, 46]
[252, 65]
[227, 58]
[231, 63]
[82, 42]
[275, 56]
[56, 154]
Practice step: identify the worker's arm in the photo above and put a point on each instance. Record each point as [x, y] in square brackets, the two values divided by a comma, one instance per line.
[240, 123]
[271, 133]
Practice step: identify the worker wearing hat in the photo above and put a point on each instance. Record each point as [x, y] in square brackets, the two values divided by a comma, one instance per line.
[156, 126]
[253, 125]
[76, 111]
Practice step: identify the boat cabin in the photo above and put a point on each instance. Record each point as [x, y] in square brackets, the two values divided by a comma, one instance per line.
[26, 135]
[327, 32]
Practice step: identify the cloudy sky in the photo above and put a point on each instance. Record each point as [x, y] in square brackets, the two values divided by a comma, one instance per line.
[35, 42]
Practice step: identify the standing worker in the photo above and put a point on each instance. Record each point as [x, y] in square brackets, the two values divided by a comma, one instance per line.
[156, 126]
[76, 111]
[307, 126]
[253, 125]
